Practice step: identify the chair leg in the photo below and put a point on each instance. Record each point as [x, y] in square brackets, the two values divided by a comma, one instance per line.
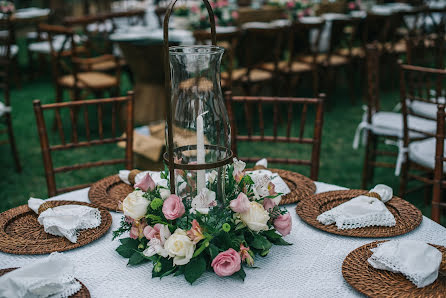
[404, 178]
[351, 82]
[436, 199]
[12, 143]
[366, 166]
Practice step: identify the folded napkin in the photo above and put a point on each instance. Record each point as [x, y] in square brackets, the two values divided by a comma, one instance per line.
[50, 277]
[362, 211]
[417, 261]
[66, 220]
[261, 177]
[4, 109]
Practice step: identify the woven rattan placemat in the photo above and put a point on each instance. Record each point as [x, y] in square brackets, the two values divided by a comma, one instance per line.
[381, 283]
[407, 216]
[108, 192]
[22, 234]
[301, 187]
[82, 293]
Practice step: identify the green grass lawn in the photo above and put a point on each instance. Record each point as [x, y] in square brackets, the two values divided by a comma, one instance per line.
[339, 163]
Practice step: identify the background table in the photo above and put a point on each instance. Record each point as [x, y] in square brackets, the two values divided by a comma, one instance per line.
[311, 267]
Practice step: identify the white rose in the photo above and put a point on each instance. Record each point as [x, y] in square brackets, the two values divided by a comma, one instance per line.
[179, 247]
[164, 193]
[135, 205]
[256, 217]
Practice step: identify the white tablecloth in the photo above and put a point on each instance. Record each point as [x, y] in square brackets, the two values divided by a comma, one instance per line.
[311, 267]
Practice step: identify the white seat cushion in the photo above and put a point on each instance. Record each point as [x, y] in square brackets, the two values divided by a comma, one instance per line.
[423, 153]
[14, 50]
[426, 109]
[391, 124]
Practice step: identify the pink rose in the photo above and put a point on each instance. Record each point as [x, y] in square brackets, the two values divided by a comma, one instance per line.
[173, 207]
[146, 183]
[283, 224]
[234, 14]
[241, 204]
[226, 263]
[268, 204]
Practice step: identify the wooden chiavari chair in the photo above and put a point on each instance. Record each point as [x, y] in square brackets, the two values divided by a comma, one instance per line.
[96, 29]
[67, 67]
[439, 182]
[422, 90]
[227, 40]
[6, 67]
[305, 105]
[426, 50]
[89, 140]
[382, 126]
[302, 58]
[259, 52]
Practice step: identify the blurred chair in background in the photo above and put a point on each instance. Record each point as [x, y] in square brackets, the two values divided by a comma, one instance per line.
[7, 64]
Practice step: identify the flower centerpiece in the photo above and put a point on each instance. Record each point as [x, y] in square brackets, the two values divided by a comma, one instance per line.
[225, 14]
[192, 235]
[294, 9]
[7, 7]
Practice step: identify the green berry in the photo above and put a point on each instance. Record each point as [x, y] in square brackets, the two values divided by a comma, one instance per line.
[158, 267]
[226, 227]
[156, 203]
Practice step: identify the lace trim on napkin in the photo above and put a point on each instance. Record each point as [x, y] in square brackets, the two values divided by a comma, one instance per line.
[344, 223]
[88, 218]
[392, 263]
[37, 288]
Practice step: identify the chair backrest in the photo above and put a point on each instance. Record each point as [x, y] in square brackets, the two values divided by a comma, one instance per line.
[309, 108]
[97, 29]
[439, 178]
[437, 17]
[228, 40]
[133, 17]
[381, 28]
[338, 37]
[62, 48]
[260, 45]
[93, 136]
[425, 50]
[300, 41]
[372, 92]
[420, 85]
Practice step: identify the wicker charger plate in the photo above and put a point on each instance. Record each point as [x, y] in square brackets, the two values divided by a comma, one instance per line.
[381, 283]
[21, 233]
[407, 216]
[82, 293]
[301, 187]
[108, 192]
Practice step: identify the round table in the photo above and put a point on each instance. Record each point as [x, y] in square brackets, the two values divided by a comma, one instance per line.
[311, 267]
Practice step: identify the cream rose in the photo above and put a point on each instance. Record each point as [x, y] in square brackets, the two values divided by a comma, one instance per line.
[164, 193]
[135, 205]
[256, 217]
[179, 247]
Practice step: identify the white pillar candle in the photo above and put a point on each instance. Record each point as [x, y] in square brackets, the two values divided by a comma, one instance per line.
[201, 153]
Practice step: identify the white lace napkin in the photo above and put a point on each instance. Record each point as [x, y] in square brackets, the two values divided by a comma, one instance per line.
[156, 176]
[363, 211]
[417, 261]
[4, 109]
[258, 176]
[66, 220]
[50, 277]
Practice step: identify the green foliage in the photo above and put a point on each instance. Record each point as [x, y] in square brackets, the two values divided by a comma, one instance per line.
[194, 269]
[123, 227]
